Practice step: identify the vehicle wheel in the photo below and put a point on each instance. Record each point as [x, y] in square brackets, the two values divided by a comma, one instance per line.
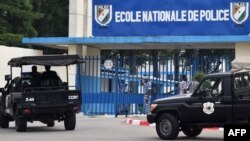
[191, 131]
[51, 123]
[4, 122]
[70, 121]
[21, 124]
[167, 126]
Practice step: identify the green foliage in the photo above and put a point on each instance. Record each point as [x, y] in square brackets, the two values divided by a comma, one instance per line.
[199, 76]
[16, 20]
[11, 39]
[30, 18]
[17, 17]
[55, 19]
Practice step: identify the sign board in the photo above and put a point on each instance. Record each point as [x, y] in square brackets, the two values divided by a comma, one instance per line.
[108, 64]
[170, 17]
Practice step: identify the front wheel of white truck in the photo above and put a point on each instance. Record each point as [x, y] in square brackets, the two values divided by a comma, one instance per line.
[167, 126]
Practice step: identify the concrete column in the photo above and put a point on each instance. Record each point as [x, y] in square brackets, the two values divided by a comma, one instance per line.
[94, 69]
[80, 25]
[76, 15]
[80, 18]
[88, 18]
[242, 50]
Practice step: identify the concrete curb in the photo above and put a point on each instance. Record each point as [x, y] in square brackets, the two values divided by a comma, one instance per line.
[137, 122]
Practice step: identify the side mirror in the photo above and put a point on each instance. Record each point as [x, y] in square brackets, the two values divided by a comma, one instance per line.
[7, 77]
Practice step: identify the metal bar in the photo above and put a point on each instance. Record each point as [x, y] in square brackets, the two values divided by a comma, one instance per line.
[86, 107]
[91, 81]
[163, 75]
[95, 77]
[116, 85]
[68, 74]
[11, 72]
[92, 72]
[21, 78]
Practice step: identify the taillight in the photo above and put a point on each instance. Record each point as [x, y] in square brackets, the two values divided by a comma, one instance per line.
[26, 111]
[76, 108]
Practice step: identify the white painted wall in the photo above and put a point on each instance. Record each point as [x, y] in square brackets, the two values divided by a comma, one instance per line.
[6, 53]
[242, 50]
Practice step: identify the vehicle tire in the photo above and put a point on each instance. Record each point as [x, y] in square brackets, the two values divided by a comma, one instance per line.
[51, 123]
[70, 121]
[191, 131]
[21, 124]
[167, 126]
[4, 122]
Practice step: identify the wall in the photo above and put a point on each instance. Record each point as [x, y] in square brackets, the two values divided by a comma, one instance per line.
[6, 53]
[242, 50]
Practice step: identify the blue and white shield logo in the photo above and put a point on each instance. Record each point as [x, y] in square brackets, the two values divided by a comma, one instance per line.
[239, 11]
[103, 14]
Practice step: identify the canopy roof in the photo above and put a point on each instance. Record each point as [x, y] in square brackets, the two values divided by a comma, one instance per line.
[240, 64]
[51, 60]
[140, 42]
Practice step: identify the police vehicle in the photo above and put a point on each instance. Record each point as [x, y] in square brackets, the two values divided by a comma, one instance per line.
[22, 102]
[219, 99]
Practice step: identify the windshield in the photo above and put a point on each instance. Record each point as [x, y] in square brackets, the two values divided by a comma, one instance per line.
[210, 87]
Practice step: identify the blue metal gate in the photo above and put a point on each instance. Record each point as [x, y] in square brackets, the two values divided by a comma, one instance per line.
[117, 89]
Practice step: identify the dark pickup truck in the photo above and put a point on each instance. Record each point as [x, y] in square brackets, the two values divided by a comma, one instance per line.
[23, 102]
[220, 98]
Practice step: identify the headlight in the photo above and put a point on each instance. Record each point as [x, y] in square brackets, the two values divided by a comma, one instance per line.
[152, 107]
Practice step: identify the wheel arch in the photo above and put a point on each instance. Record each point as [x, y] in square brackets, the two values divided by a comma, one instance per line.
[174, 112]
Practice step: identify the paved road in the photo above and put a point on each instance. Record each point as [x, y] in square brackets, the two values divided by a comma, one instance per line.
[95, 129]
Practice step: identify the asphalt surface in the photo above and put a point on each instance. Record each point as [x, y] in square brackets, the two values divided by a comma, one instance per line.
[99, 128]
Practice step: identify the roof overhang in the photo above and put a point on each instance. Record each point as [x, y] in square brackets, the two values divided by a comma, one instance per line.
[141, 42]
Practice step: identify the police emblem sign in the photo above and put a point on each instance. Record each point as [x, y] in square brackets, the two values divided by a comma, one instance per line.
[103, 14]
[239, 11]
[170, 17]
[208, 108]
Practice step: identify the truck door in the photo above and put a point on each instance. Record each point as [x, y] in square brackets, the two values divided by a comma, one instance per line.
[241, 99]
[12, 88]
[214, 101]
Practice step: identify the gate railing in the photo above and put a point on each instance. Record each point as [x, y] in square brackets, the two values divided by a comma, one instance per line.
[118, 90]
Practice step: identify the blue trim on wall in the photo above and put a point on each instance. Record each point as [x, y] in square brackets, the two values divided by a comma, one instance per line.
[136, 39]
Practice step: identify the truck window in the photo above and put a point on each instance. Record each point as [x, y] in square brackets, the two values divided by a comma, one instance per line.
[241, 86]
[241, 81]
[26, 83]
[211, 87]
[13, 87]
